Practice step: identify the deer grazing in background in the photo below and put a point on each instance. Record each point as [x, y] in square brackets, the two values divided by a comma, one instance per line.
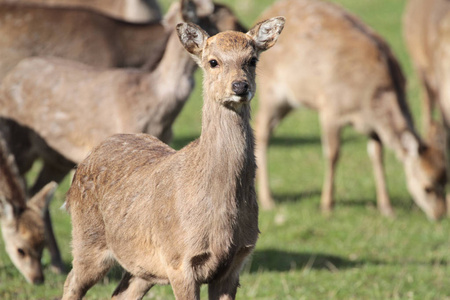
[188, 217]
[330, 61]
[22, 221]
[58, 110]
[126, 10]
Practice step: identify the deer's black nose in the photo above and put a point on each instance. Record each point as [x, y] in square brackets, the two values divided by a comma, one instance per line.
[240, 87]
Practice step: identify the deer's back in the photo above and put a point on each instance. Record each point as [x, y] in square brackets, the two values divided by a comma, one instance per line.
[325, 58]
[116, 184]
[75, 34]
[72, 106]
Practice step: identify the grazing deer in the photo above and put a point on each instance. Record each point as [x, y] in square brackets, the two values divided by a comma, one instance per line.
[422, 21]
[188, 217]
[330, 61]
[126, 10]
[22, 221]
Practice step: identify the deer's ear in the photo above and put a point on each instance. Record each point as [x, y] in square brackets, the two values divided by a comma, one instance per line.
[266, 33]
[41, 200]
[192, 37]
[410, 144]
[7, 213]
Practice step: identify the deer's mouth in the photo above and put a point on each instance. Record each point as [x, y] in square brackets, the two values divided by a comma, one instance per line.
[239, 99]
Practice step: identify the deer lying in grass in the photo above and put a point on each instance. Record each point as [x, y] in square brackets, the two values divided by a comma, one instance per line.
[188, 217]
[22, 221]
[330, 61]
[422, 22]
[126, 10]
[59, 110]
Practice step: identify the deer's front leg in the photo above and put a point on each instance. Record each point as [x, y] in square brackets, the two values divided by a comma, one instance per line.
[132, 288]
[375, 150]
[330, 144]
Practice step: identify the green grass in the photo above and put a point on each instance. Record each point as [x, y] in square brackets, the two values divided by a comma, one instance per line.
[355, 254]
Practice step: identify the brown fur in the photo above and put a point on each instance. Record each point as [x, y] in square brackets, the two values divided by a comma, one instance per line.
[58, 110]
[77, 34]
[22, 221]
[330, 61]
[127, 10]
[422, 21]
[183, 217]
[426, 27]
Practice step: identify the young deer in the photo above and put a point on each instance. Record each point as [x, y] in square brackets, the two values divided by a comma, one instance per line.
[59, 110]
[22, 221]
[188, 217]
[127, 10]
[330, 61]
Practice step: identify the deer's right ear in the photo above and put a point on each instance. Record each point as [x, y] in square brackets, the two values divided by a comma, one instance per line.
[266, 33]
[193, 38]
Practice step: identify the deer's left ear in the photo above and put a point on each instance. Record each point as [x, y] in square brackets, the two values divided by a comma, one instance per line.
[266, 33]
[193, 38]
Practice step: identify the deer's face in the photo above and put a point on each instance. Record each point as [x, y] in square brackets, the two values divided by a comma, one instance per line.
[426, 179]
[229, 61]
[25, 240]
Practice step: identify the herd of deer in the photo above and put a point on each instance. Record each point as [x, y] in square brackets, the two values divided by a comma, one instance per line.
[98, 85]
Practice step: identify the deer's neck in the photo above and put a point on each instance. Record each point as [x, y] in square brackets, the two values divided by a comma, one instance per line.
[141, 44]
[161, 94]
[226, 151]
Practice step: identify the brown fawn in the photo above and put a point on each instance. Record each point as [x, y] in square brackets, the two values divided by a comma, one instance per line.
[328, 60]
[22, 220]
[184, 217]
[58, 110]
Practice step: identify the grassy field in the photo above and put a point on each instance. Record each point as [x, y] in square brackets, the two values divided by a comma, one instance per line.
[355, 254]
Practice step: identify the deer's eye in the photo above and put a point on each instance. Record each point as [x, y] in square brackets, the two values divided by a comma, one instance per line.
[21, 252]
[429, 189]
[253, 62]
[213, 63]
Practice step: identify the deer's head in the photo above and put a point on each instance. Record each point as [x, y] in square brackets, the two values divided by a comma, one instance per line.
[229, 58]
[426, 176]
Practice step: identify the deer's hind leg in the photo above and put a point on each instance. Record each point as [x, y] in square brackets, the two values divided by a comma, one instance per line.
[91, 257]
[131, 288]
[87, 270]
